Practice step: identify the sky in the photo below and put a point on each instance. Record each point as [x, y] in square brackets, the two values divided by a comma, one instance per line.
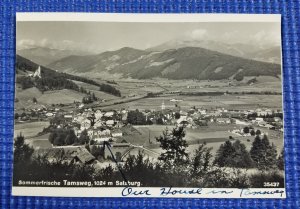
[96, 37]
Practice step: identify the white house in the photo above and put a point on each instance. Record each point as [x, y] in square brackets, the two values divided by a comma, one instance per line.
[99, 139]
[223, 120]
[98, 114]
[240, 122]
[98, 124]
[110, 122]
[277, 119]
[105, 132]
[85, 124]
[68, 116]
[90, 133]
[109, 114]
[117, 134]
[259, 119]
[182, 119]
[49, 114]
[203, 112]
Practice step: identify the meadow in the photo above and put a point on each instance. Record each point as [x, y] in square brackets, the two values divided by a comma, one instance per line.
[213, 135]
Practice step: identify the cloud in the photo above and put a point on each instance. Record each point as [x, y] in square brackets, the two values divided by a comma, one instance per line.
[62, 45]
[266, 38]
[25, 44]
[197, 34]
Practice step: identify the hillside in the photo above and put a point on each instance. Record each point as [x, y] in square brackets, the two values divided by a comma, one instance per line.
[269, 55]
[247, 51]
[106, 61]
[44, 56]
[182, 63]
[50, 80]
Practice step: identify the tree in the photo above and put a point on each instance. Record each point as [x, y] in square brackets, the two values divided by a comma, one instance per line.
[136, 118]
[84, 138]
[34, 100]
[110, 89]
[252, 132]
[61, 136]
[70, 138]
[201, 160]
[233, 155]
[160, 121]
[280, 160]
[263, 154]
[174, 144]
[57, 120]
[258, 132]
[87, 100]
[241, 157]
[224, 153]
[22, 151]
[239, 77]
[246, 129]
[94, 97]
[177, 115]
[97, 151]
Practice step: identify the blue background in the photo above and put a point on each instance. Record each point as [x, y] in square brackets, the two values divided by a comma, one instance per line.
[290, 11]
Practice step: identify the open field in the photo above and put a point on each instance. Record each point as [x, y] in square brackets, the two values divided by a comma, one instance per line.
[264, 83]
[64, 96]
[214, 135]
[95, 89]
[138, 87]
[39, 142]
[30, 129]
[208, 102]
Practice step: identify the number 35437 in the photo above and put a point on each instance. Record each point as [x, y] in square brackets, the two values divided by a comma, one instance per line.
[271, 184]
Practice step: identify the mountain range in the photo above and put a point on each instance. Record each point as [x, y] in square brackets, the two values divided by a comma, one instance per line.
[248, 51]
[44, 56]
[179, 63]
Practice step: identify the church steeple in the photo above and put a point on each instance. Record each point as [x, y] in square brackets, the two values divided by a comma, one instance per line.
[163, 105]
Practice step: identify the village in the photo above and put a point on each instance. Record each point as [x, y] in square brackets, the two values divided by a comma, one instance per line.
[106, 130]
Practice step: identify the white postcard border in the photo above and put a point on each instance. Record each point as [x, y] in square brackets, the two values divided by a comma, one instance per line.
[143, 192]
[138, 17]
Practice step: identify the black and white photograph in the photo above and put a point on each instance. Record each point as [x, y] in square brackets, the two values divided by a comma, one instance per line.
[164, 106]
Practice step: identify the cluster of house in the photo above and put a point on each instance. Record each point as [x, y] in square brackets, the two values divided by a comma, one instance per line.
[194, 117]
[100, 125]
[241, 132]
[66, 154]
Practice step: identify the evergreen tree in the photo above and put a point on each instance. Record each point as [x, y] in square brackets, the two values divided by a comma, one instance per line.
[174, 145]
[256, 150]
[70, 138]
[94, 98]
[22, 151]
[84, 138]
[224, 153]
[241, 157]
[263, 154]
[233, 155]
[280, 161]
[201, 160]
[34, 100]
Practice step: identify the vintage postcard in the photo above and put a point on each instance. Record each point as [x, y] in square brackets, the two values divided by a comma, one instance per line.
[148, 105]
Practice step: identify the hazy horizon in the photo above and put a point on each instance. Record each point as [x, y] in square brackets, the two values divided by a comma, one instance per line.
[97, 37]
